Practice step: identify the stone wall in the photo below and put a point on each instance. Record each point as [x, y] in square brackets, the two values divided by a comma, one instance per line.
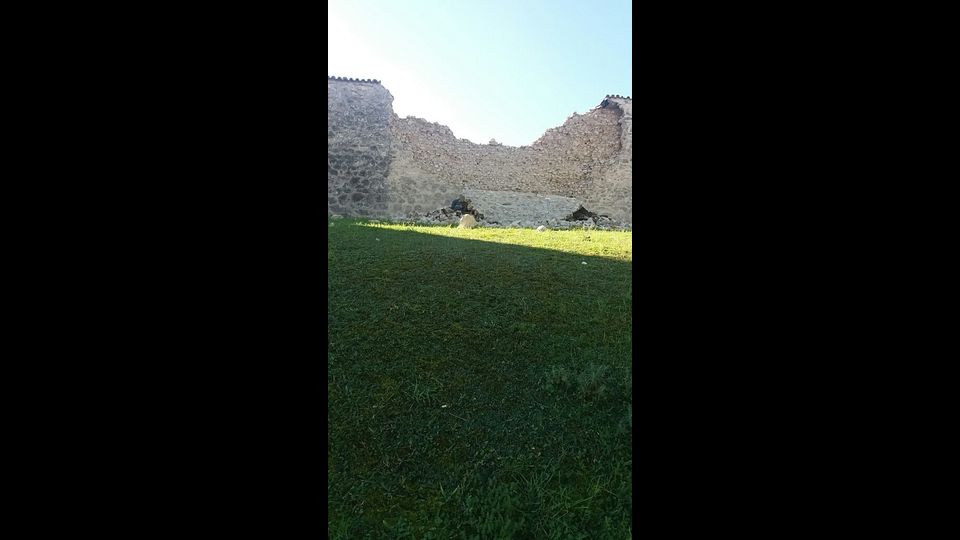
[513, 207]
[358, 147]
[610, 189]
[388, 166]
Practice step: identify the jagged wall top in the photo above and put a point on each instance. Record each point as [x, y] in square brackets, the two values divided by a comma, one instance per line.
[347, 79]
[381, 164]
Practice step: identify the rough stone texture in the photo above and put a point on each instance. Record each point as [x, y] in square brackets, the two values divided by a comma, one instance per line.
[410, 188]
[506, 207]
[611, 190]
[359, 147]
[382, 165]
[559, 162]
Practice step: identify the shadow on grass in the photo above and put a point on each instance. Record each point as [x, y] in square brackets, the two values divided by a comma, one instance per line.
[476, 386]
[594, 242]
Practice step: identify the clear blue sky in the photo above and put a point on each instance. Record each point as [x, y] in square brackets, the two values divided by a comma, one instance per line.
[503, 69]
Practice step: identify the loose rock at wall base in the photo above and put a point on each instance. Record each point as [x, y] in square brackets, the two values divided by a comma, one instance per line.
[449, 216]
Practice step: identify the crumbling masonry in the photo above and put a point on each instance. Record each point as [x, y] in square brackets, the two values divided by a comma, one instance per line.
[380, 165]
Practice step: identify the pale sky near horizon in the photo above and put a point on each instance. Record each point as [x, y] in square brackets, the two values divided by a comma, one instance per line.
[502, 69]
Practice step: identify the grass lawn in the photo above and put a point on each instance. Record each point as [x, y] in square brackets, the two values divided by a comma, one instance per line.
[479, 382]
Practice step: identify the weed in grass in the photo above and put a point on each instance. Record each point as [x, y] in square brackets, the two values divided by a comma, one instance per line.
[591, 382]
[422, 393]
[558, 379]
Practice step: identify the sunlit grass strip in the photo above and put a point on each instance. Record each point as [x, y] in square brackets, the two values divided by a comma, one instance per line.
[594, 242]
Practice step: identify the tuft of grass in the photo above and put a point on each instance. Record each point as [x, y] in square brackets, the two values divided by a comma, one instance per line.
[559, 378]
[592, 381]
[478, 382]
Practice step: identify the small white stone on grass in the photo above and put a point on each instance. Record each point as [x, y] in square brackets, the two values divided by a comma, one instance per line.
[584, 262]
[467, 222]
[541, 228]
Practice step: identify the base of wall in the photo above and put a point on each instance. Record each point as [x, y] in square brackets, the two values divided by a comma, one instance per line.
[506, 207]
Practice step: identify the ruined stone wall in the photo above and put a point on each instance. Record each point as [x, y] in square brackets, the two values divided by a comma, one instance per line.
[559, 162]
[384, 165]
[358, 147]
[416, 183]
[610, 188]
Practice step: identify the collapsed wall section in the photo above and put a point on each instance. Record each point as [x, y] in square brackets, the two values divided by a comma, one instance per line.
[431, 166]
[383, 165]
[559, 162]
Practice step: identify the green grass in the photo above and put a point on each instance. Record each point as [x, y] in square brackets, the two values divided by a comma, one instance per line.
[479, 382]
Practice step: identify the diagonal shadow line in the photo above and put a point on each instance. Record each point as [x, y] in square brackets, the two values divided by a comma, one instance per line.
[453, 233]
[414, 275]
